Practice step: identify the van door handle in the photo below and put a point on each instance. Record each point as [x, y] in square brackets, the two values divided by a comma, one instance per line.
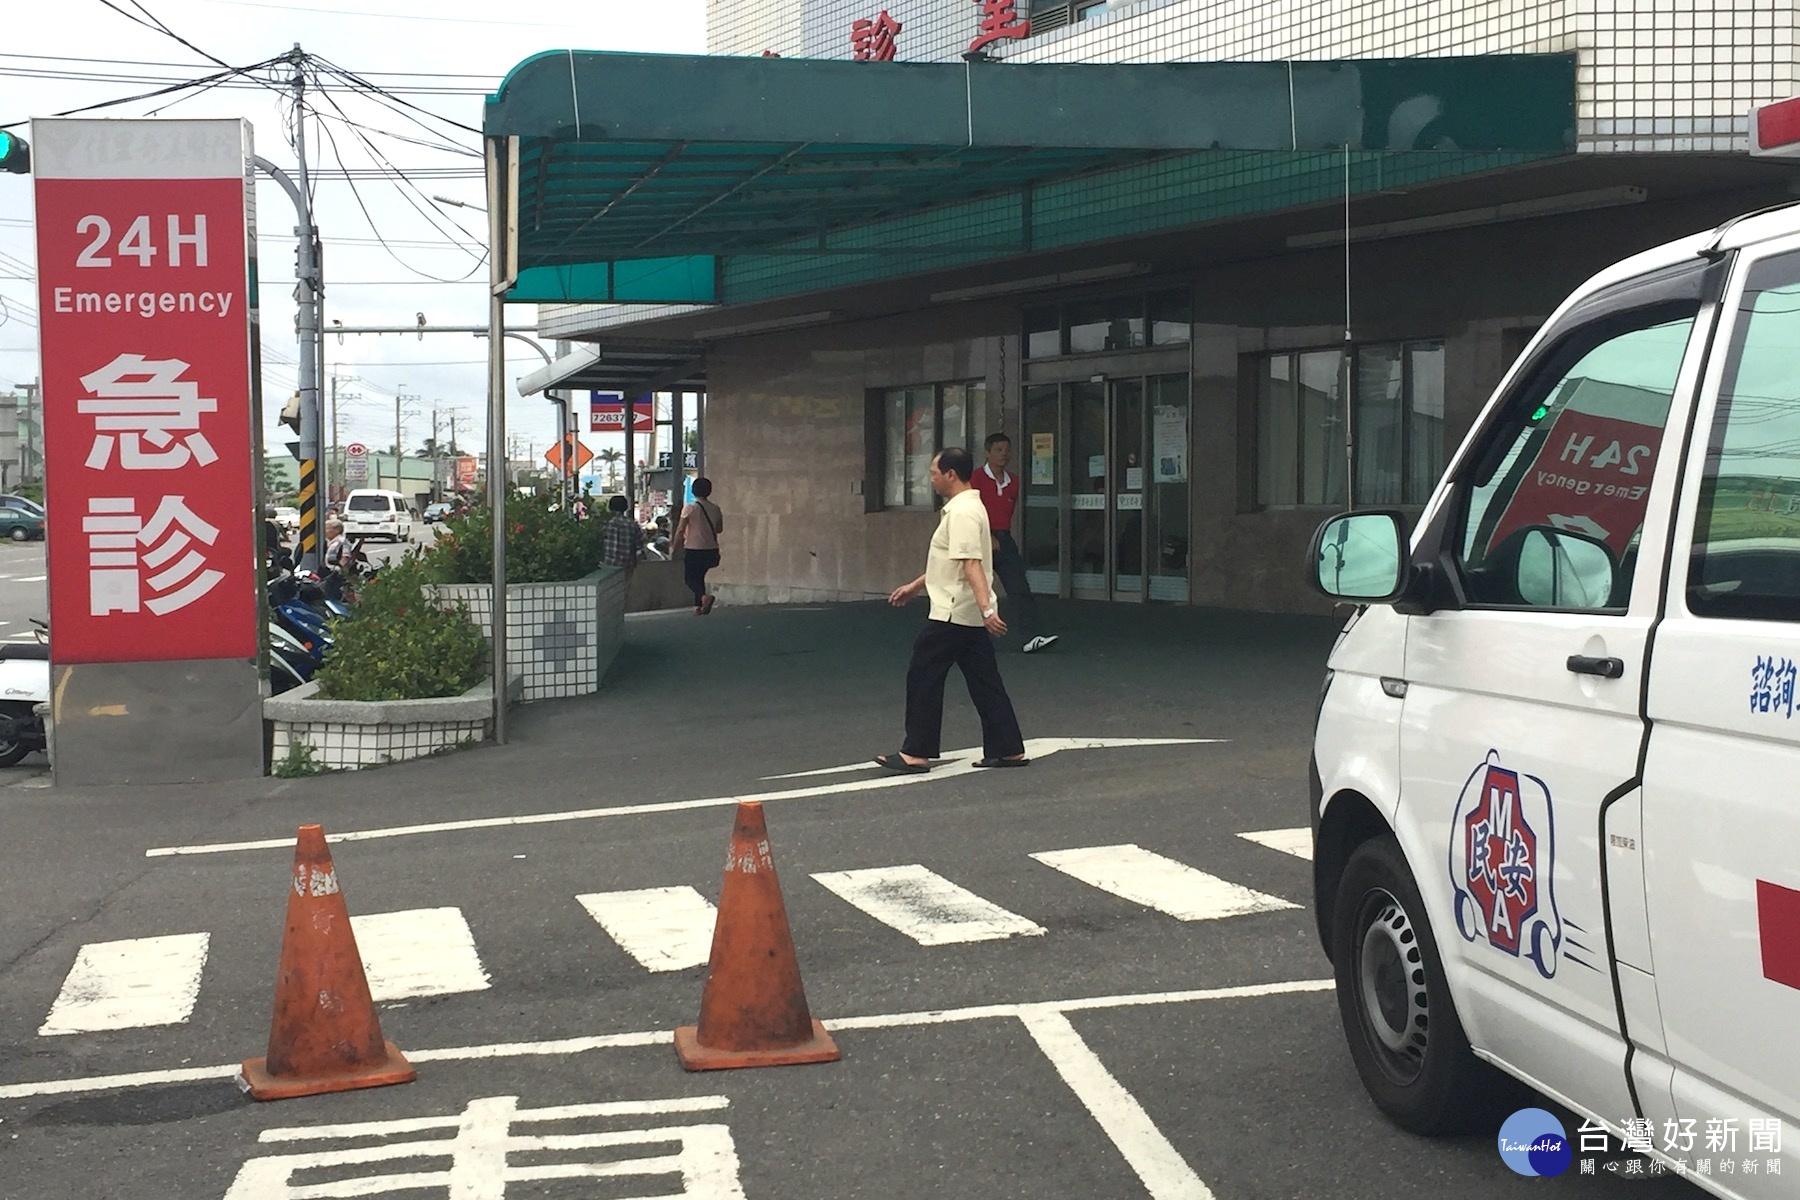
[1605, 668]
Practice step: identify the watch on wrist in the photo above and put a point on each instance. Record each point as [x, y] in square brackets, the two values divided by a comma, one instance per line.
[988, 612]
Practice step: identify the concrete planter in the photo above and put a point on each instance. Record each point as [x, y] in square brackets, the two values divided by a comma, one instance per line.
[561, 637]
[347, 734]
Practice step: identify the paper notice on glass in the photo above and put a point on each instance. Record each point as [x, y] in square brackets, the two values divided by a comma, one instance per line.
[1134, 479]
[1096, 466]
[1169, 437]
[1043, 460]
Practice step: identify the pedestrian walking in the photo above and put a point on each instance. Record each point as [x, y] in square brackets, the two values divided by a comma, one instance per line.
[621, 541]
[1000, 496]
[698, 530]
[964, 618]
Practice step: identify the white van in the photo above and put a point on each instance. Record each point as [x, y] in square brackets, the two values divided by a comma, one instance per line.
[372, 513]
[1554, 826]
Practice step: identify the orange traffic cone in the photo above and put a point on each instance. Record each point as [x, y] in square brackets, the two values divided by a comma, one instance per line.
[325, 1036]
[753, 1012]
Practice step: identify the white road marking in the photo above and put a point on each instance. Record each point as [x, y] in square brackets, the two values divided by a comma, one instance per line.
[1146, 878]
[608, 1108]
[662, 1037]
[129, 984]
[483, 1151]
[418, 952]
[31, 579]
[925, 906]
[1165, 1173]
[1035, 747]
[1297, 842]
[665, 929]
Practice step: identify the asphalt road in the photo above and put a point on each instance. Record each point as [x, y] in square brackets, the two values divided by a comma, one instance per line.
[1103, 1049]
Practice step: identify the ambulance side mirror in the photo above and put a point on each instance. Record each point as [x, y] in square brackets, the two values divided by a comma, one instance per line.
[1558, 568]
[1361, 557]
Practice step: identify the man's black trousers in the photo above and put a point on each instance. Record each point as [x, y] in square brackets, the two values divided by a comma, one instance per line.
[940, 646]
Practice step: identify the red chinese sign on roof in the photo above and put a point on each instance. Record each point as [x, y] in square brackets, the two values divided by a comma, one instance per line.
[873, 40]
[999, 19]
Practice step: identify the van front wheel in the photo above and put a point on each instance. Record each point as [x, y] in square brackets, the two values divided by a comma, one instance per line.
[1404, 1035]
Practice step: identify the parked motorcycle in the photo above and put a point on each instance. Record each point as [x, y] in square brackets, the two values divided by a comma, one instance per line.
[24, 684]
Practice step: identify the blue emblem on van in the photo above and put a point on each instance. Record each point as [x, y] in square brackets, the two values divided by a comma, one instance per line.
[1502, 855]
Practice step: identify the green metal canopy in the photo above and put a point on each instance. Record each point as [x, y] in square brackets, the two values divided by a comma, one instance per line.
[683, 179]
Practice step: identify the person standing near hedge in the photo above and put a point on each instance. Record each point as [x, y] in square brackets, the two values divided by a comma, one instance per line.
[701, 524]
[621, 542]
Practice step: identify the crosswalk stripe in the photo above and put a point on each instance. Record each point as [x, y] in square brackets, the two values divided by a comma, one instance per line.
[1297, 842]
[665, 928]
[1143, 877]
[418, 952]
[129, 984]
[925, 906]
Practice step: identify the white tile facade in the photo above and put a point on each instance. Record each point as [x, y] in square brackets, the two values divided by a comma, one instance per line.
[1655, 75]
[341, 746]
[560, 637]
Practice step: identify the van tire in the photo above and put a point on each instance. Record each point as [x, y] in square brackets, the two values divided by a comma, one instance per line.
[1399, 1019]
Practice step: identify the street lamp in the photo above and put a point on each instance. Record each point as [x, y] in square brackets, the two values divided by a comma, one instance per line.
[458, 203]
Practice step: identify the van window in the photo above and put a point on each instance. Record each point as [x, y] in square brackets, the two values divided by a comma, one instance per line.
[1574, 452]
[1746, 554]
[369, 504]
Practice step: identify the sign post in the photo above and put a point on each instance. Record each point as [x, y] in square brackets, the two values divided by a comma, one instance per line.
[145, 256]
[356, 465]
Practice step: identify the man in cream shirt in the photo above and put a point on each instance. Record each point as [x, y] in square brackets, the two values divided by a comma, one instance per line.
[964, 617]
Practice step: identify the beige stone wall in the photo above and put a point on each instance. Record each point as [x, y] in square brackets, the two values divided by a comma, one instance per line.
[785, 451]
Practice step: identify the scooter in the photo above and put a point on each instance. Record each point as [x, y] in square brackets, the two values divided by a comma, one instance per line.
[24, 684]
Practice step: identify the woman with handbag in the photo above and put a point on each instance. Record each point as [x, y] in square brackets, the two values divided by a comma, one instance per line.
[699, 529]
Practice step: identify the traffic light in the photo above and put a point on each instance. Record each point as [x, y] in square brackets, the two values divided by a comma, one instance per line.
[290, 413]
[15, 154]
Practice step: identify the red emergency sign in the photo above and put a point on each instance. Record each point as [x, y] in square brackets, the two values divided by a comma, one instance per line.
[1591, 476]
[144, 316]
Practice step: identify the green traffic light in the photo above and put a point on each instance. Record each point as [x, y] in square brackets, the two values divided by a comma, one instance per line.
[15, 153]
[1543, 410]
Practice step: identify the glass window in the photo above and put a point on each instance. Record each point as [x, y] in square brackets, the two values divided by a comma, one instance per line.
[917, 422]
[1043, 332]
[1088, 326]
[1277, 445]
[1746, 555]
[1557, 503]
[1399, 422]
[1171, 318]
[1320, 375]
[1425, 420]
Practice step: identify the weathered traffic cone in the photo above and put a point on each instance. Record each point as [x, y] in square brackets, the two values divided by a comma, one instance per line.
[753, 1012]
[325, 1036]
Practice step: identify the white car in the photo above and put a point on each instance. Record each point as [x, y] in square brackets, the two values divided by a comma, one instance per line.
[369, 512]
[1556, 823]
[288, 518]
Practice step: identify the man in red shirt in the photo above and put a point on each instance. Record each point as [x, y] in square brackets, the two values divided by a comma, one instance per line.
[1000, 496]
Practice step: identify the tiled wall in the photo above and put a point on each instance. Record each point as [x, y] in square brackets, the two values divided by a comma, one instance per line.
[343, 747]
[1672, 75]
[561, 637]
[753, 26]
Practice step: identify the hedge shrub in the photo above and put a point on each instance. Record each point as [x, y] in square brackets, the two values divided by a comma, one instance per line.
[399, 645]
[542, 545]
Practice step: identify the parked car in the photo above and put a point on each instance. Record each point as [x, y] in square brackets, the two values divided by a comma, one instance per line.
[288, 518]
[21, 526]
[1550, 830]
[22, 504]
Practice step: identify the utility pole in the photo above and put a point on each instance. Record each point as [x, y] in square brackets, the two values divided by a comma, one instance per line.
[306, 272]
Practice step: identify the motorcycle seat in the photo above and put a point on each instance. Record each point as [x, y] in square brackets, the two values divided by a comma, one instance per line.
[28, 651]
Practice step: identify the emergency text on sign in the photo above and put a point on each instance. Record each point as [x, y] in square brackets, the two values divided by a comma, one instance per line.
[142, 304]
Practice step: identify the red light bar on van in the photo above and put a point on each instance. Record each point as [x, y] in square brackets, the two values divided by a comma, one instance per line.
[1775, 128]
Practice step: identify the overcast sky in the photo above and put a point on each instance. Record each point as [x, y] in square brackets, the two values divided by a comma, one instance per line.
[72, 53]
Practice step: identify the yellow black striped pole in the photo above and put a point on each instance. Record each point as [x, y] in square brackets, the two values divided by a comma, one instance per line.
[309, 509]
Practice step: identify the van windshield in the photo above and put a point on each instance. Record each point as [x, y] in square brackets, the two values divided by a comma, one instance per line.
[368, 504]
